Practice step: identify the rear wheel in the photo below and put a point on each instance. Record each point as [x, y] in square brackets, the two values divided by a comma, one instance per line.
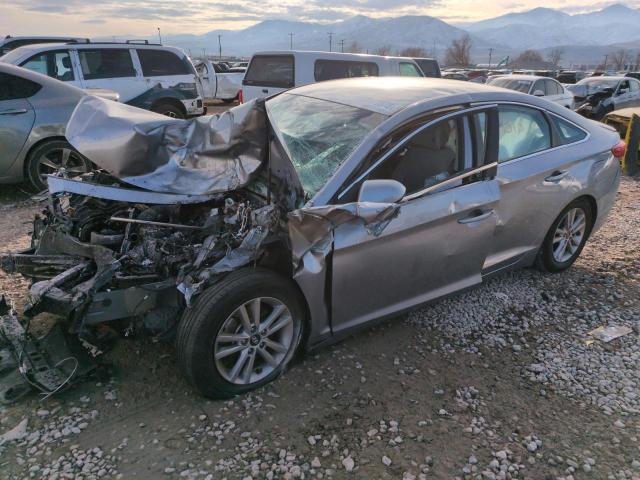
[241, 333]
[52, 157]
[168, 110]
[566, 237]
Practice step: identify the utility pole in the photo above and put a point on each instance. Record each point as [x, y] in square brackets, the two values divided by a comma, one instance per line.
[342, 46]
[220, 46]
[604, 69]
[330, 40]
[204, 53]
[159, 36]
[291, 35]
[490, 55]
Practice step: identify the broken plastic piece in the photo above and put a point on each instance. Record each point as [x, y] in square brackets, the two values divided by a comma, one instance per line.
[611, 332]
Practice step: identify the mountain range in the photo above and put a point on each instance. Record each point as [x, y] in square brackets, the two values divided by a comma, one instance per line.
[584, 38]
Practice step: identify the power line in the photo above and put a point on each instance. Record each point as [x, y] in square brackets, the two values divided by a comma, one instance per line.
[330, 40]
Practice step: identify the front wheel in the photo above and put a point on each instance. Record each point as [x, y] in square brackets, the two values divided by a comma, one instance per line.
[168, 110]
[52, 157]
[241, 333]
[566, 237]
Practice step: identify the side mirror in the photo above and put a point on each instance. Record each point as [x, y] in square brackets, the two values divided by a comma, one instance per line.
[538, 93]
[381, 191]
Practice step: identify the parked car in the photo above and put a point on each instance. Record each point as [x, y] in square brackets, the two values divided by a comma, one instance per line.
[9, 43]
[153, 77]
[379, 195]
[34, 110]
[570, 76]
[547, 88]
[597, 96]
[218, 84]
[429, 67]
[635, 75]
[620, 119]
[455, 76]
[274, 72]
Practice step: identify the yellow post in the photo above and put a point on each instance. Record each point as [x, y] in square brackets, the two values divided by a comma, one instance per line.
[630, 165]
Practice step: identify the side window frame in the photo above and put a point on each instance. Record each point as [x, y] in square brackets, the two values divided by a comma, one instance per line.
[481, 169]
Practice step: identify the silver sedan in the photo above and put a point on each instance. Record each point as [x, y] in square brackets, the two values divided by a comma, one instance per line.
[34, 110]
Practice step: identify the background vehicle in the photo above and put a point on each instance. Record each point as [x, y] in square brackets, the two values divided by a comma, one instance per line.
[9, 43]
[597, 96]
[34, 110]
[538, 86]
[274, 72]
[218, 84]
[429, 67]
[455, 76]
[570, 76]
[153, 77]
[635, 75]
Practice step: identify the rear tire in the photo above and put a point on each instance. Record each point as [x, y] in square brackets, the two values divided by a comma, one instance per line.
[168, 110]
[49, 158]
[566, 237]
[213, 327]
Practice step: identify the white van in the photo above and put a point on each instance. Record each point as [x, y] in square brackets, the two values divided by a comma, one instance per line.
[273, 72]
[153, 77]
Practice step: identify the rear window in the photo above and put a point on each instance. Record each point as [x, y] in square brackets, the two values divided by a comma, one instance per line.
[157, 63]
[106, 63]
[334, 69]
[13, 88]
[430, 68]
[270, 71]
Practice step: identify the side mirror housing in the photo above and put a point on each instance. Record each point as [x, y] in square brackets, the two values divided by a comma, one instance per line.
[538, 93]
[381, 191]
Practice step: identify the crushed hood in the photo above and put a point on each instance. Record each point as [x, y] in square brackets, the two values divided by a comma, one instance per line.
[200, 156]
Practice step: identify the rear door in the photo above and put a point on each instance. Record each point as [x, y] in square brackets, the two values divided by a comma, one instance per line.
[16, 116]
[268, 75]
[438, 242]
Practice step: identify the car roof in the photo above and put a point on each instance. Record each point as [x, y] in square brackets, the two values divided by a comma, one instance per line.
[30, 49]
[389, 95]
[332, 55]
[526, 77]
[605, 77]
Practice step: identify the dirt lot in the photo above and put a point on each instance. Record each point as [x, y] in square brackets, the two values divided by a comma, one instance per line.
[496, 383]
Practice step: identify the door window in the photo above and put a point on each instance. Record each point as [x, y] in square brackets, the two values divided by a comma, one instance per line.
[552, 87]
[334, 69]
[624, 87]
[539, 86]
[635, 85]
[53, 64]
[522, 131]
[158, 63]
[13, 88]
[106, 63]
[409, 70]
[202, 70]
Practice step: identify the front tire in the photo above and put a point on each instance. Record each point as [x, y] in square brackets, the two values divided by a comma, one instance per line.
[168, 110]
[566, 237]
[241, 333]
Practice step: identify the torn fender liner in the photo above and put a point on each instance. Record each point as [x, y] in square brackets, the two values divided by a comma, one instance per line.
[200, 156]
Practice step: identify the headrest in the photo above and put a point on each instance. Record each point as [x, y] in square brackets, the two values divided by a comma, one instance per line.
[434, 137]
[66, 62]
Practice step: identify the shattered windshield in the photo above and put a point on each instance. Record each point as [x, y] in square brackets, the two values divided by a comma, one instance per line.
[318, 135]
[512, 84]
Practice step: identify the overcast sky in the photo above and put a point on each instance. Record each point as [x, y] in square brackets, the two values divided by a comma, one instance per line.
[142, 17]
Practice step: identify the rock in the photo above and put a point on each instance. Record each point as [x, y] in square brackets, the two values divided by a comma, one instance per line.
[386, 460]
[348, 464]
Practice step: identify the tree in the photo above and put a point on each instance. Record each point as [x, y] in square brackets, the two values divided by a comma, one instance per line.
[415, 52]
[619, 58]
[458, 54]
[555, 56]
[354, 47]
[529, 56]
[383, 50]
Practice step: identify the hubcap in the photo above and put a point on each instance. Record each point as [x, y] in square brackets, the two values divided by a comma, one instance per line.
[569, 235]
[254, 340]
[170, 114]
[60, 159]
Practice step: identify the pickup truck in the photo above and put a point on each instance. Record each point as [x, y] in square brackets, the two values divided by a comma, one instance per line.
[218, 84]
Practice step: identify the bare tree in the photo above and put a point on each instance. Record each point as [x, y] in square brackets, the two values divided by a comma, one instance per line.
[555, 56]
[529, 56]
[458, 53]
[415, 52]
[619, 58]
[383, 50]
[354, 47]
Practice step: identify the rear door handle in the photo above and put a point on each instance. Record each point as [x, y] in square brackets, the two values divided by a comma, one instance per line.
[13, 111]
[556, 176]
[476, 216]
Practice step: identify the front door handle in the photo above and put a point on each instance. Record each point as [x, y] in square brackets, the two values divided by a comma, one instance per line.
[13, 111]
[556, 176]
[476, 216]
[264, 90]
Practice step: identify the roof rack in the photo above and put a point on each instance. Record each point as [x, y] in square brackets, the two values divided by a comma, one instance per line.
[127, 42]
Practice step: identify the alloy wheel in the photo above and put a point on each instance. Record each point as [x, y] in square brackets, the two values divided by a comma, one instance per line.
[254, 341]
[58, 159]
[569, 235]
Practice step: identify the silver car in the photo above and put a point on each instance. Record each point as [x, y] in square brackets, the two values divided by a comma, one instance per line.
[34, 110]
[289, 223]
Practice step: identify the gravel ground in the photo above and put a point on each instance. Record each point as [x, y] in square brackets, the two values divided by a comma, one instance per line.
[500, 382]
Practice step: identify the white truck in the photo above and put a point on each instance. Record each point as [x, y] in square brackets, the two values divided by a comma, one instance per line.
[218, 84]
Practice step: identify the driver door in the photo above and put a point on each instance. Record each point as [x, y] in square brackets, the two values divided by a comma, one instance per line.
[438, 242]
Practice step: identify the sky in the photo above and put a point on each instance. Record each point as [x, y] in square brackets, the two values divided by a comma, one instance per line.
[91, 18]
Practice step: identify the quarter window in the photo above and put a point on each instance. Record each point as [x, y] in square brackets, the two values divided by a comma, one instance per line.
[158, 63]
[53, 64]
[409, 70]
[334, 69]
[13, 88]
[270, 71]
[568, 132]
[523, 131]
[106, 63]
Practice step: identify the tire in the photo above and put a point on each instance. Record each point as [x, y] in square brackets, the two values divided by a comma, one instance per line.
[49, 157]
[168, 110]
[229, 100]
[207, 327]
[551, 258]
